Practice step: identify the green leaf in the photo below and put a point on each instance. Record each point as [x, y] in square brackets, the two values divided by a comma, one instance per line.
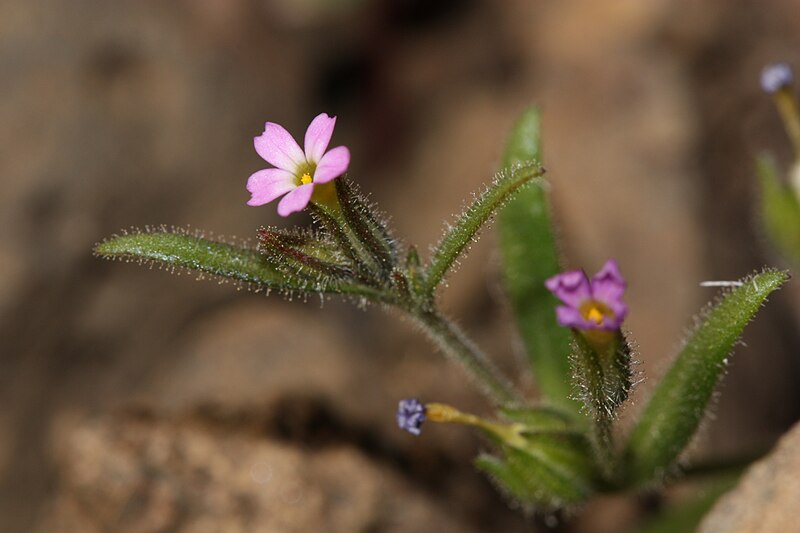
[181, 249]
[552, 472]
[780, 210]
[464, 230]
[680, 399]
[514, 483]
[530, 256]
[538, 418]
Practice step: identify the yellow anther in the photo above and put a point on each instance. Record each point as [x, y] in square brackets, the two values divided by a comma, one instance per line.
[595, 311]
[305, 179]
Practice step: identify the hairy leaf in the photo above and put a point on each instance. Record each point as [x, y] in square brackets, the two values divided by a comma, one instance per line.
[464, 230]
[530, 256]
[180, 249]
[680, 399]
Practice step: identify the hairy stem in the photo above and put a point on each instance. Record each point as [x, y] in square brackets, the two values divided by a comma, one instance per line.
[602, 439]
[787, 107]
[456, 345]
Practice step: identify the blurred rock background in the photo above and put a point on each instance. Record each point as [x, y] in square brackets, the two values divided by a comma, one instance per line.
[132, 400]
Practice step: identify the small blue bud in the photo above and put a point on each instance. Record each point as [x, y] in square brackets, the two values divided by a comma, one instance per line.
[411, 415]
[776, 77]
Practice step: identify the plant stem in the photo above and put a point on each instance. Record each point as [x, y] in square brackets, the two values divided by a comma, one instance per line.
[787, 107]
[602, 439]
[455, 344]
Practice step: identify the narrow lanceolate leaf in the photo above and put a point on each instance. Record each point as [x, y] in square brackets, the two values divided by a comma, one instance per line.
[530, 256]
[680, 399]
[780, 211]
[227, 261]
[464, 230]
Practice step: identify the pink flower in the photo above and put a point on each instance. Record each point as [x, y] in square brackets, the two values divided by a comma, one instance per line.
[296, 171]
[594, 304]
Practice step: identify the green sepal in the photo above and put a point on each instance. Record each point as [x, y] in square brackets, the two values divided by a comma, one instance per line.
[679, 401]
[552, 471]
[237, 262]
[780, 210]
[368, 228]
[330, 222]
[530, 256]
[601, 367]
[464, 230]
[305, 255]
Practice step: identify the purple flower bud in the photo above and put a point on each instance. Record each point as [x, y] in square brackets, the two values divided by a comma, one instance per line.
[594, 304]
[776, 77]
[411, 415]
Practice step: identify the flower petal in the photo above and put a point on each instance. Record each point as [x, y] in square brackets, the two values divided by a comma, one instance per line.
[572, 318]
[295, 201]
[332, 165]
[318, 136]
[572, 288]
[608, 285]
[620, 311]
[411, 415]
[266, 185]
[278, 147]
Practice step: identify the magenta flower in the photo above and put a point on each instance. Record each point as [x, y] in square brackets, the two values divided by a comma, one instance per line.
[296, 171]
[594, 304]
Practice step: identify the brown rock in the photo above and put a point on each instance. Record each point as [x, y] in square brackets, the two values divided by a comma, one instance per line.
[766, 498]
[138, 474]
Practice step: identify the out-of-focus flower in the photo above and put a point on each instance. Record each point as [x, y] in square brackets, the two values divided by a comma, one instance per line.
[411, 415]
[296, 171]
[594, 304]
[776, 77]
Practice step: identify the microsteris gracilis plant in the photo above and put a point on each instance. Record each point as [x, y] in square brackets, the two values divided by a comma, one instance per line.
[550, 454]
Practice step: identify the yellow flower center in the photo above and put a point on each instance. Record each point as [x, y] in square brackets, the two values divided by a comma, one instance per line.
[305, 179]
[595, 311]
